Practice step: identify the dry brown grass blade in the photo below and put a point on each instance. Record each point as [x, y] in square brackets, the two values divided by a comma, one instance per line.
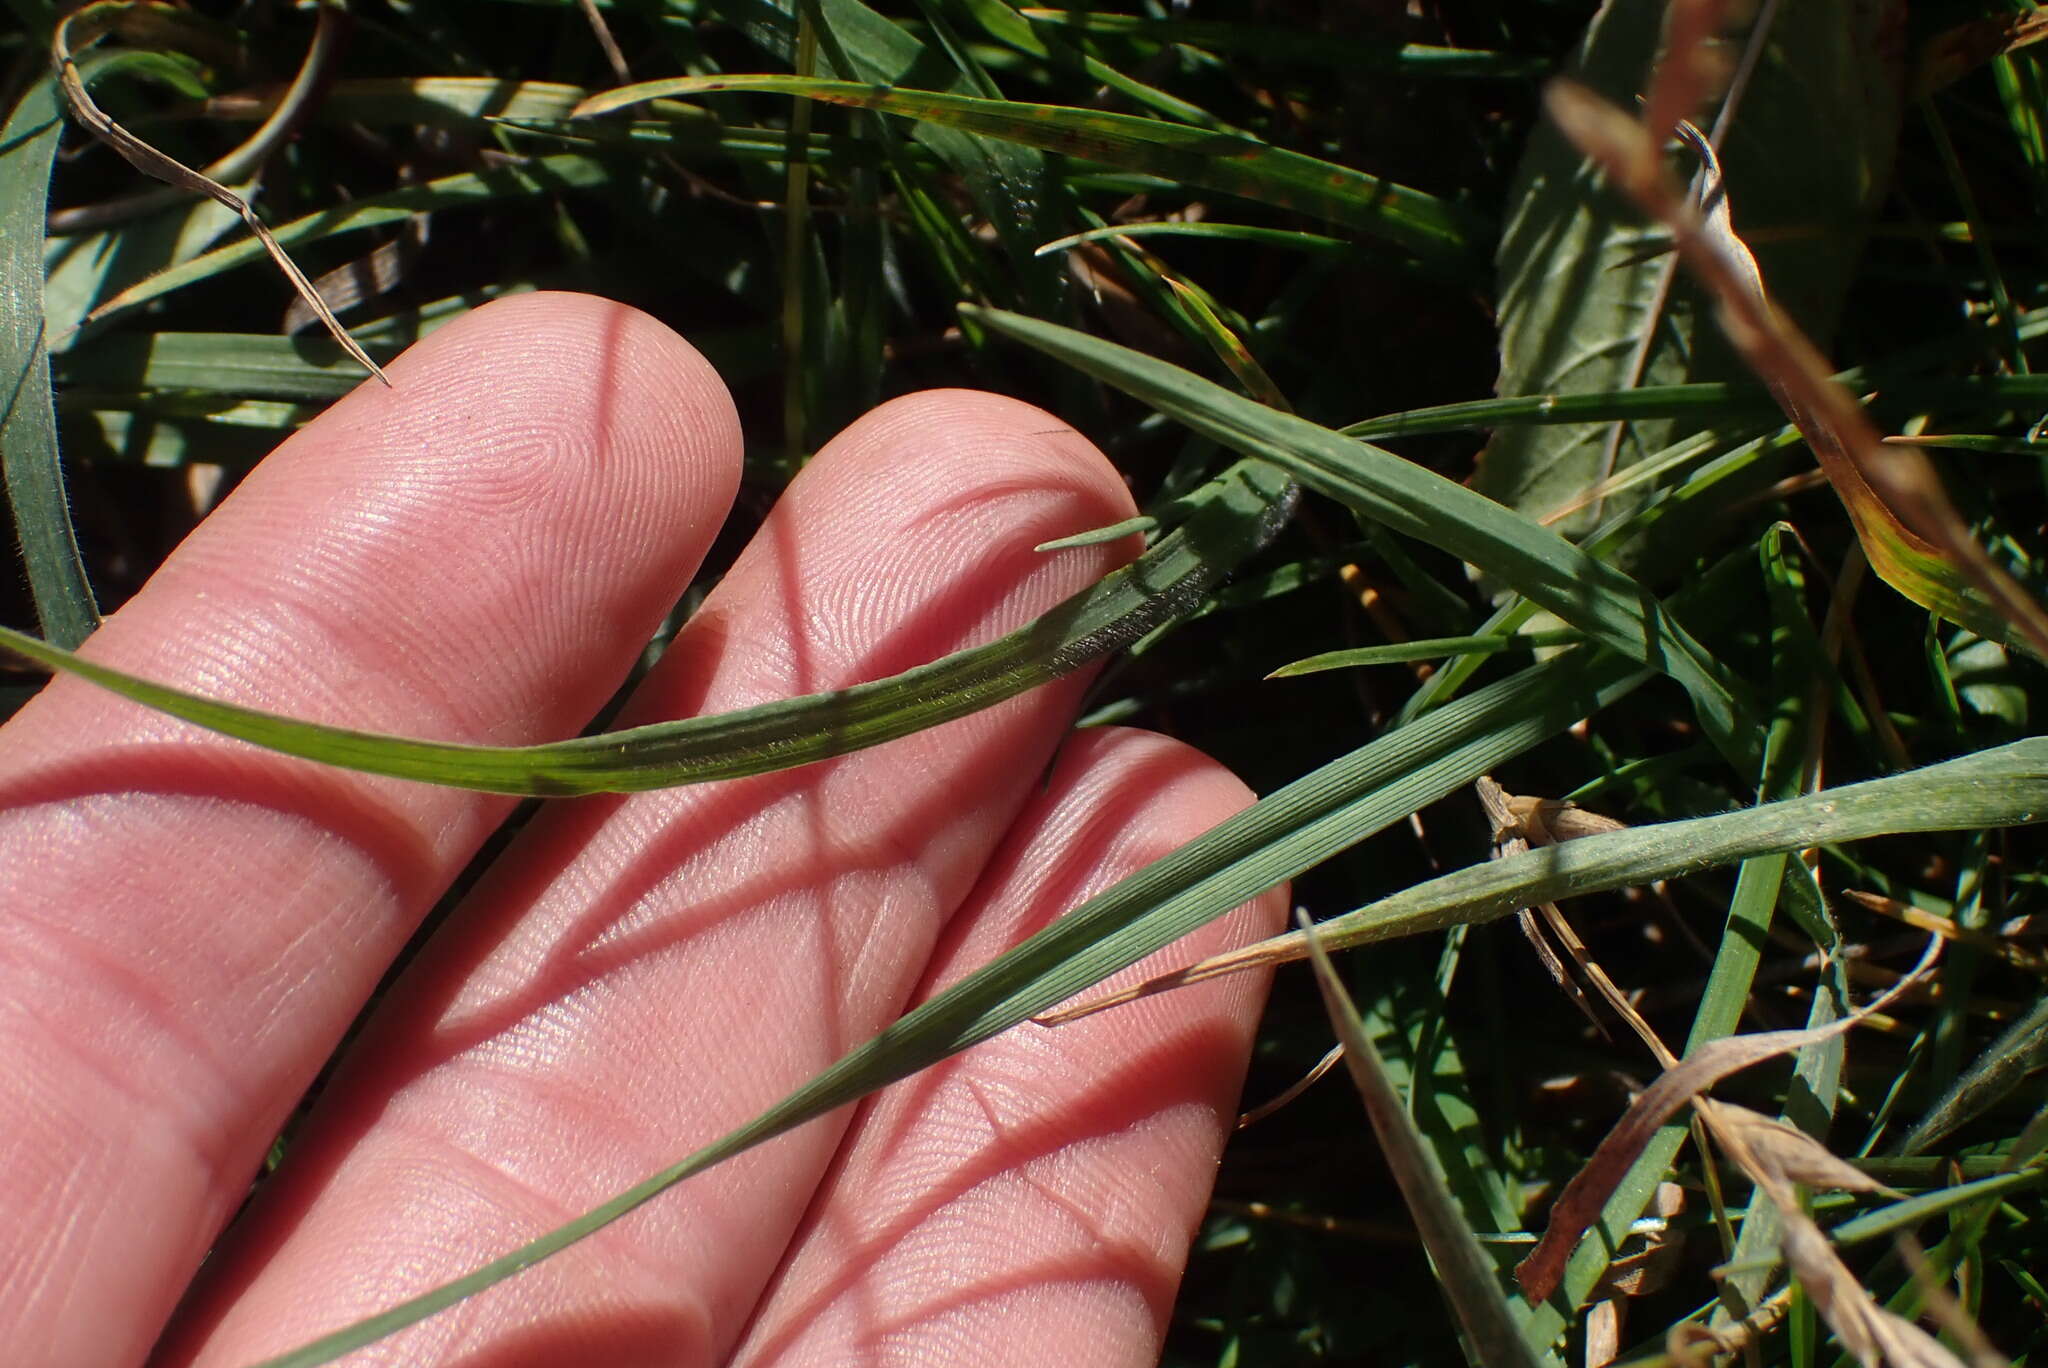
[1944, 1309]
[1789, 1152]
[284, 116]
[1872, 1334]
[1692, 65]
[1579, 1205]
[1307, 1081]
[1776, 1156]
[2019, 956]
[602, 31]
[1518, 824]
[93, 23]
[379, 272]
[1951, 55]
[1894, 498]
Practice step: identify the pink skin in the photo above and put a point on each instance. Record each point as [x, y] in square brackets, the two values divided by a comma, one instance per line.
[188, 925]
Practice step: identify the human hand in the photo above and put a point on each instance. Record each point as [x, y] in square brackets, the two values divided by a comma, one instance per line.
[188, 924]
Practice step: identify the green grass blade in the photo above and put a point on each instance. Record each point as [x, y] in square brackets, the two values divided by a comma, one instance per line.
[1468, 1277]
[2004, 786]
[1283, 43]
[1420, 223]
[1231, 232]
[34, 474]
[1308, 821]
[1005, 25]
[1011, 183]
[2020, 1049]
[117, 370]
[250, 365]
[1433, 648]
[1600, 600]
[1246, 505]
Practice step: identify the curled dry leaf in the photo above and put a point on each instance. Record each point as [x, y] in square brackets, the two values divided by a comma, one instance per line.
[1874, 1335]
[89, 25]
[1520, 823]
[1785, 1151]
[1579, 1205]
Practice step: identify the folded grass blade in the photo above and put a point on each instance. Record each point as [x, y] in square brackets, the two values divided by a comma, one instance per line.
[1420, 223]
[33, 473]
[1246, 506]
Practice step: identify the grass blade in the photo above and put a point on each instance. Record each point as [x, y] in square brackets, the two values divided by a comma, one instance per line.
[1595, 597]
[541, 176]
[1246, 505]
[28, 428]
[1463, 1269]
[1320, 814]
[1422, 224]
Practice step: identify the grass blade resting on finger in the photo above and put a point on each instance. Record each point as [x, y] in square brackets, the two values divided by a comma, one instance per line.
[1247, 505]
[1310, 820]
[678, 207]
[1280, 835]
[29, 460]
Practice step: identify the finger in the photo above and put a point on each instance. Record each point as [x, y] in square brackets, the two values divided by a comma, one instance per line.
[187, 924]
[1042, 1188]
[645, 973]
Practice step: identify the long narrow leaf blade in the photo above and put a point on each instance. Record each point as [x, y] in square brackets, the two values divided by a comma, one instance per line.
[1310, 820]
[1462, 1268]
[1421, 223]
[28, 420]
[1591, 595]
[1246, 506]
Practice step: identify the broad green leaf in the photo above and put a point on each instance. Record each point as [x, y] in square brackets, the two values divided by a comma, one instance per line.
[1588, 594]
[1420, 223]
[33, 471]
[1246, 506]
[1581, 280]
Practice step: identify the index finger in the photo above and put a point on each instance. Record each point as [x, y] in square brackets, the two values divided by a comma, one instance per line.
[188, 924]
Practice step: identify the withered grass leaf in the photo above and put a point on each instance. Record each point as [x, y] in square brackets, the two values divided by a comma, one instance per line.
[1579, 1205]
[1786, 1151]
